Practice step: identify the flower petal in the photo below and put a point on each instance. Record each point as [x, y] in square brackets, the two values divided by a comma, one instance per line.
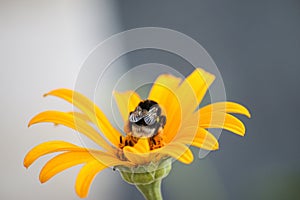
[189, 93]
[80, 115]
[142, 145]
[127, 102]
[91, 169]
[229, 107]
[49, 147]
[86, 176]
[70, 121]
[91, 110]
[198, 137]
[193, 89]
[136, 157]
[109, 159]
[62, 162]
[139, 153]
[187, 157]
[163, 92]
[69, 159]
[222, 120]
[200, 81]
[178, 151]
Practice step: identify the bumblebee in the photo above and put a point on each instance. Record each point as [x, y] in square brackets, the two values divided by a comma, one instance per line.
[145, 121]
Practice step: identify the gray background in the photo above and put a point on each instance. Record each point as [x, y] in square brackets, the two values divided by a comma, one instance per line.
[255, 45]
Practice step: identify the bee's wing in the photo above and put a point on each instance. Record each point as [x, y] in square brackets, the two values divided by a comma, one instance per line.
[151, 116]
[135, 117]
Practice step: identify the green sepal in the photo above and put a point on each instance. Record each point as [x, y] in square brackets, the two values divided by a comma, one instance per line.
[147, 178]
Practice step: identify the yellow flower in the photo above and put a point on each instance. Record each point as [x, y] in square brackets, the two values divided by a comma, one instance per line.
[185, 125]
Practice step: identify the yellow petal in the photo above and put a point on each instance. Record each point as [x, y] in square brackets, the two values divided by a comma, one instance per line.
[174, 120]
[70, 121]
[136, 157]
[229, 107]
[139, 153]
[80, 115]
[109, 159]
[178, 151]
[163, 92]
[187, 157]
[66, 160]
[198, 137]
[193, 89]
[222, 120]
[90, 170]
[86, 176]
[127, 102]
[49, 147]
[62, 162]
[142, 145]
[189, 93]
[200, 81]
[91, 110]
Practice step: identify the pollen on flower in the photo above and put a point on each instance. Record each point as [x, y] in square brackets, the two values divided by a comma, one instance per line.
[155, 142]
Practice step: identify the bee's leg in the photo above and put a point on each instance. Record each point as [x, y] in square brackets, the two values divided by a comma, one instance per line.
[128, 140]
[132, 140]
[157, 141]
[122, 142]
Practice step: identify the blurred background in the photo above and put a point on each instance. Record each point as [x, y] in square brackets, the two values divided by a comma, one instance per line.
[255, 45]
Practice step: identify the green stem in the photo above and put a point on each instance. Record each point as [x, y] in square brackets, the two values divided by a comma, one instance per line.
[151, 191]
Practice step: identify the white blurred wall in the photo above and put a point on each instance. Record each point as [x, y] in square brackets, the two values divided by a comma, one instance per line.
[42, 47]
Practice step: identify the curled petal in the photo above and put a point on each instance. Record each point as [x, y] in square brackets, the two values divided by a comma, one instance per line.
[222, 120]
[142, 145]
[178, 151]
[139, 153]
[228, 107]
[89, 171]
[49, 147]
[68, 159]
[198, 137]
[91, 110]
[86, 176]
[187, 157]
[70, 121]
[136, 157]
[62, 162]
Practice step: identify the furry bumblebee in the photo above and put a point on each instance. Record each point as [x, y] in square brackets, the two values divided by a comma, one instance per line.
[146, 121]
